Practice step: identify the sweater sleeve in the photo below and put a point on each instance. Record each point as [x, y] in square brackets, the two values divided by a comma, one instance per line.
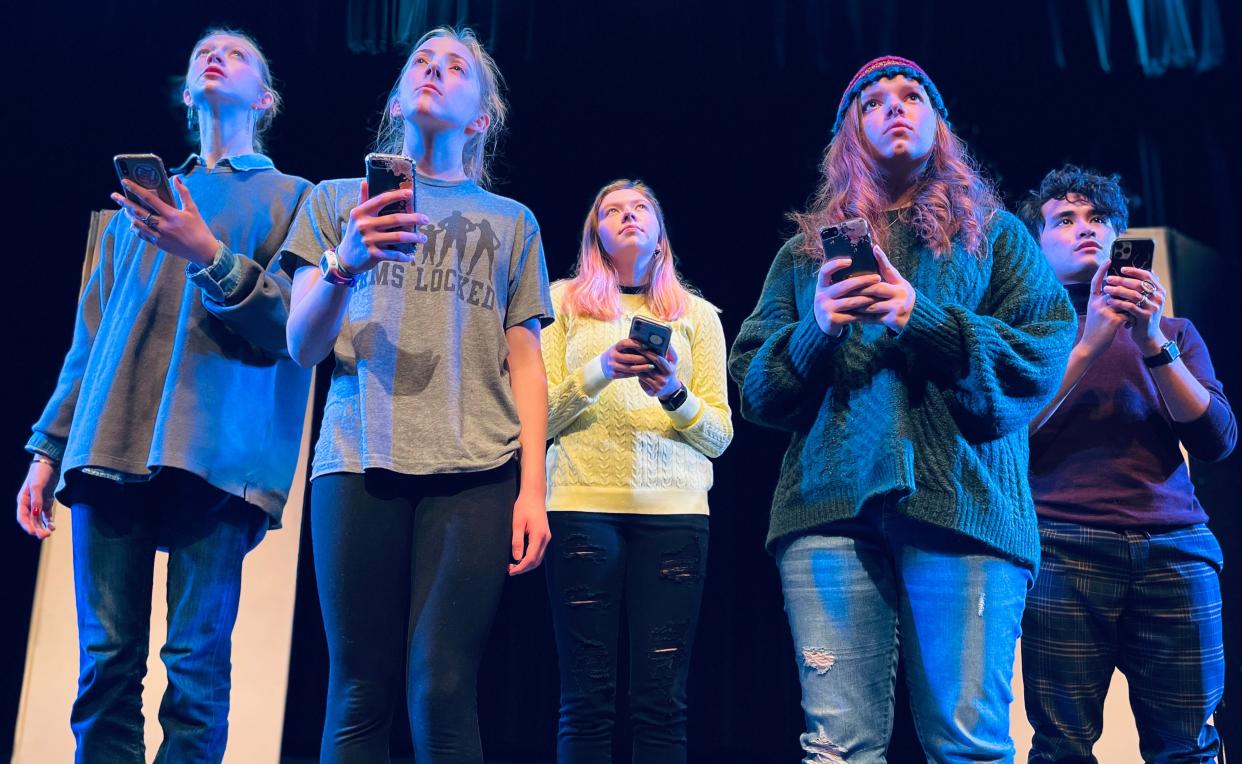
[704, 419]
[1001, 363]
[51, 433]
[569, 392]
[1214, 434]
[780, 357]
[252, 300]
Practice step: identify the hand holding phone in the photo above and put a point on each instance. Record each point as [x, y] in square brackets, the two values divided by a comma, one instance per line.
[154, 214]
[624, 360]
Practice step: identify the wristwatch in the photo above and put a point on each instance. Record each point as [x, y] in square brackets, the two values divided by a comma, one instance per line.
[674, 401]
[333, 271]
[1167, 355]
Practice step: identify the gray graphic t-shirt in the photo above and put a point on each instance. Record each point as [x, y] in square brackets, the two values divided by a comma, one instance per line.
[421, 384]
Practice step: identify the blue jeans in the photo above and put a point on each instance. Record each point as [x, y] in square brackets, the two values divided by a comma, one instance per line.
[1146, 602]
[861, 592]
[117, 529]
[657, 564]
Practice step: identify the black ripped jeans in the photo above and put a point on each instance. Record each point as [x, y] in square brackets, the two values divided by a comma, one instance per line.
[658, 562]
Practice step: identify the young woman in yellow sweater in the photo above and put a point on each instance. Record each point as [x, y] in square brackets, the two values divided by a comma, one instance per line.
[628, 475]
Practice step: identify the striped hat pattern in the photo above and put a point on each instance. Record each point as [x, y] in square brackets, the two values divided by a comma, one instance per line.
[884, 67]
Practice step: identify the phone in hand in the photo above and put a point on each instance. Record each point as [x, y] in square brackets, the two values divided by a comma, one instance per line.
[1133, 253]
[389, 172]
[146, 170]
[852, 239]
[652, 335]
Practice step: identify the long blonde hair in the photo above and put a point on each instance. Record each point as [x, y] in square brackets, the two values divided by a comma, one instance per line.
[594, 289]
[477, 153]
[953, 202]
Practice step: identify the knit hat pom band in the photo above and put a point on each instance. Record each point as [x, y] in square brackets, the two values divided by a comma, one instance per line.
[882, 68]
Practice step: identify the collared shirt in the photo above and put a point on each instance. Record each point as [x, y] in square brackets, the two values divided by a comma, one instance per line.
[186, 367]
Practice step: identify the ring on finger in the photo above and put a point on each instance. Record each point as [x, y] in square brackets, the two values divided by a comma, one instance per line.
[1142, 301]
[1148, 287]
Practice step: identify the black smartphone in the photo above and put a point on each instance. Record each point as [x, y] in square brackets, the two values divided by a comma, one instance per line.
[389, 172]
[652, 335]
[1135, 253]
[852, 239]
[147, 170]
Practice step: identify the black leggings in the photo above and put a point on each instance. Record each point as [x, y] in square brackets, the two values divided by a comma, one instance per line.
[410, 572]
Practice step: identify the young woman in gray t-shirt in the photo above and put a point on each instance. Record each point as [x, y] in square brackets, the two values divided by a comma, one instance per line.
[429, 471]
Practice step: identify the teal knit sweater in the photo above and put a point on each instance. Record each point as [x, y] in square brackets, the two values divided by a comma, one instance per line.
[937, 413]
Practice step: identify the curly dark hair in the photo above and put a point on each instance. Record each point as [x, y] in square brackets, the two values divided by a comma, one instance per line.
[1102, 191]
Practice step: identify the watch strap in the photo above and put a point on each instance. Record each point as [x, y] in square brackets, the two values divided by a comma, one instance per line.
[674, 401]
[1169, 353]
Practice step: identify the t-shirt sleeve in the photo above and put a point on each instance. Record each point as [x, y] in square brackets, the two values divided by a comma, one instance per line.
[316, 228]
[529, 293]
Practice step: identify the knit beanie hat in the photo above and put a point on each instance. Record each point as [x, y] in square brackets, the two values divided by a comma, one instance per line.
[889, 66]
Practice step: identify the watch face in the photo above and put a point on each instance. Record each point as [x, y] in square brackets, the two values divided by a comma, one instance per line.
[329, 268]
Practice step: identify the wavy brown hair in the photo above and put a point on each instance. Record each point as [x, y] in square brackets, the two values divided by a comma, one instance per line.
[953, 202]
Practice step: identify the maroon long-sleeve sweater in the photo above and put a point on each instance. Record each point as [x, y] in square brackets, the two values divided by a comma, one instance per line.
[1109, 456]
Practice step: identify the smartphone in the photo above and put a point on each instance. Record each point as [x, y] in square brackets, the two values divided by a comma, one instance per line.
[1135, 253]
[652, 335]
[852, 239]
[389, 172]
[147, 170]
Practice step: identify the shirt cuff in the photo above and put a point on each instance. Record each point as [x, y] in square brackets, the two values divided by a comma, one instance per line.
[52, 448]
[688, 413]
[930, 328]
[219, 281]
[1212, 435]
[809, 346]
[593, 379]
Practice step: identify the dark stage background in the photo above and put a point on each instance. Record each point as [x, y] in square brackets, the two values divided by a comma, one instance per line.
[724, 108]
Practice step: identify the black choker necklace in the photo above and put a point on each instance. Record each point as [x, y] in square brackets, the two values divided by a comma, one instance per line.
[637, 289]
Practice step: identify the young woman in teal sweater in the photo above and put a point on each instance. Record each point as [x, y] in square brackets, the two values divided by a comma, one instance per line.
[902, 521]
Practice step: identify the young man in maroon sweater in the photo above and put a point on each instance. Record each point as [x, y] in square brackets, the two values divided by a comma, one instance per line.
[1130, 572]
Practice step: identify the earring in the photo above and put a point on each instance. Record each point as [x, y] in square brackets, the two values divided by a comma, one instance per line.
[191, 118]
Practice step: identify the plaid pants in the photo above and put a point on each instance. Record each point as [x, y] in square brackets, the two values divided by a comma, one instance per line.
[1146, 603]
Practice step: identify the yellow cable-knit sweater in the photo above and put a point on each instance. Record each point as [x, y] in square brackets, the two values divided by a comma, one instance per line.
[615, 449]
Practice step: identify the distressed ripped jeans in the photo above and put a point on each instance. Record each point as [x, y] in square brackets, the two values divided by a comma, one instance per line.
[863, 591]
[658, 563]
